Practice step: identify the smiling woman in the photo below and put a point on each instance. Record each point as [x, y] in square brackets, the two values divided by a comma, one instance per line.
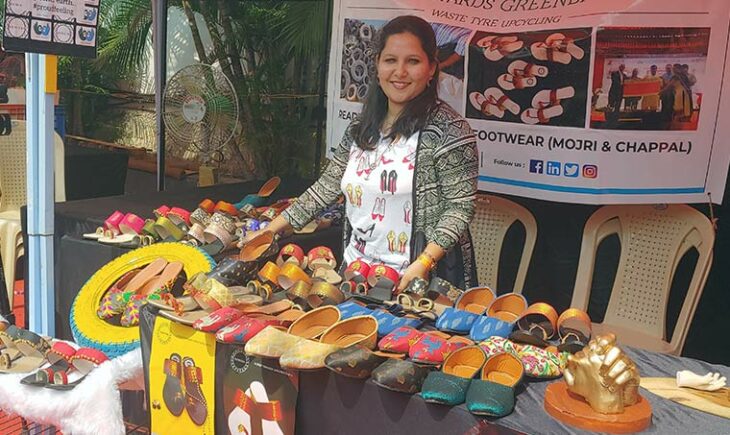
[412, 161]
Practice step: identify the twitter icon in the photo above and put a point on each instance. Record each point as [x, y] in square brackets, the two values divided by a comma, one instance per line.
[571, 170]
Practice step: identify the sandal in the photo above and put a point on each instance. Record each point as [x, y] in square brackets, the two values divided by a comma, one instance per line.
[260, 198]
[450, 385]
[82, 363]
[574, 330]
[109, 228]
[129, 227]
[59, 357]
[152, 289]
[292, 253]
[32, 348]
[536, 326]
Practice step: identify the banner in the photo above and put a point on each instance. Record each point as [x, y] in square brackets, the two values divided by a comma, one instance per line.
[582, 101]
[64, 27]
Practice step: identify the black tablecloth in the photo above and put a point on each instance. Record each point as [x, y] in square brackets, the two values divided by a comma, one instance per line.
[551, 274]
[94, 172]
[77, 259]
[332, 404]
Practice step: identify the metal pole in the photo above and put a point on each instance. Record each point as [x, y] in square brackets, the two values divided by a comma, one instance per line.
[159, 34]
[321, 109]
[40, 88]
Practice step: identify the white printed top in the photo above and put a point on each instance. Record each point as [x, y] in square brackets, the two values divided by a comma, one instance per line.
[378, 187]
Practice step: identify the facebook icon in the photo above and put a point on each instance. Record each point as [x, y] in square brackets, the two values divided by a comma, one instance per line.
[536, 166]
[553, 168]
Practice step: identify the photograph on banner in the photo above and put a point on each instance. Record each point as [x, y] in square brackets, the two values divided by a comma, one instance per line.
[258, 396]
[358, 63]
[649, 78]
[530, 77]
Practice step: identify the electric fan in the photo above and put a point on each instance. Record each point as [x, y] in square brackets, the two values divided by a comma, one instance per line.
[201, 113]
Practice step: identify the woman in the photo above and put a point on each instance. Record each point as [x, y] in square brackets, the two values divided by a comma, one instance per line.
[407, 166]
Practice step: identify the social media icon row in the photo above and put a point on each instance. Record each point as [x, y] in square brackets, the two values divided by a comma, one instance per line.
[571, 170]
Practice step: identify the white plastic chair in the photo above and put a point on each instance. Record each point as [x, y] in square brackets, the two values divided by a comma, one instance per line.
[13, 195]
[492, 218]
[653, 241]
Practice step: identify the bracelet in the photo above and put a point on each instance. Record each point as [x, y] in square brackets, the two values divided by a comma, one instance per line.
[427, 260]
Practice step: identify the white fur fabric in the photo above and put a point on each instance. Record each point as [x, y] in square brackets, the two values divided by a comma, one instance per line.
[93, 407]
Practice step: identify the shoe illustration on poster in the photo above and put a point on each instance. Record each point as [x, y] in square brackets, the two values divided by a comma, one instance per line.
[258, 396]
[182, 379]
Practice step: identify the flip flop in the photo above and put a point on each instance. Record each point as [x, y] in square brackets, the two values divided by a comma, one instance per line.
[574, 330]
[536, 326]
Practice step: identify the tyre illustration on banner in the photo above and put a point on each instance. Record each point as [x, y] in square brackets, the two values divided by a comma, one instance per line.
[358, 63]
[537, 78]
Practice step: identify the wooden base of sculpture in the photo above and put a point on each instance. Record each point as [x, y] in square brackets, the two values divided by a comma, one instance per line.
[572, 410]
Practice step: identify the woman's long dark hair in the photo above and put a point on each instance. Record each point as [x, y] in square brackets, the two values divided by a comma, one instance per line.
[416, 112]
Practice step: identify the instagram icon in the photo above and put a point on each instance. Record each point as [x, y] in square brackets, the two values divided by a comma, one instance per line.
[590, 171]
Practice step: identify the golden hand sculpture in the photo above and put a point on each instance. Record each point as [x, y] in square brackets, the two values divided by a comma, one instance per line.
[603, 375]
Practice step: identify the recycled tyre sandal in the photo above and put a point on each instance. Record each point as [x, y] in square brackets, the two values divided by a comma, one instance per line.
[59, 357]
[33, 349]
[83, 362]
[91, 331]
[574, 330]
[536, 326]
[259, 199]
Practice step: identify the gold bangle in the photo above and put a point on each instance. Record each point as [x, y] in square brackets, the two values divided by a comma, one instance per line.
[427, 260]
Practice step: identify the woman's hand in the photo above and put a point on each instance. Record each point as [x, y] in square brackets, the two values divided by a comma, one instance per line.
[415, 270]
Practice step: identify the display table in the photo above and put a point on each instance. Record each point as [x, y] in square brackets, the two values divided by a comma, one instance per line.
[77, 259]
[328, 403]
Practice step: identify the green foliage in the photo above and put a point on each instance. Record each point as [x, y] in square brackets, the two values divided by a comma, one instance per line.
[270, 50]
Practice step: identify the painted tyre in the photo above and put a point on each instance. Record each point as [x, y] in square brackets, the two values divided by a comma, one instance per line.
[91, 331]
